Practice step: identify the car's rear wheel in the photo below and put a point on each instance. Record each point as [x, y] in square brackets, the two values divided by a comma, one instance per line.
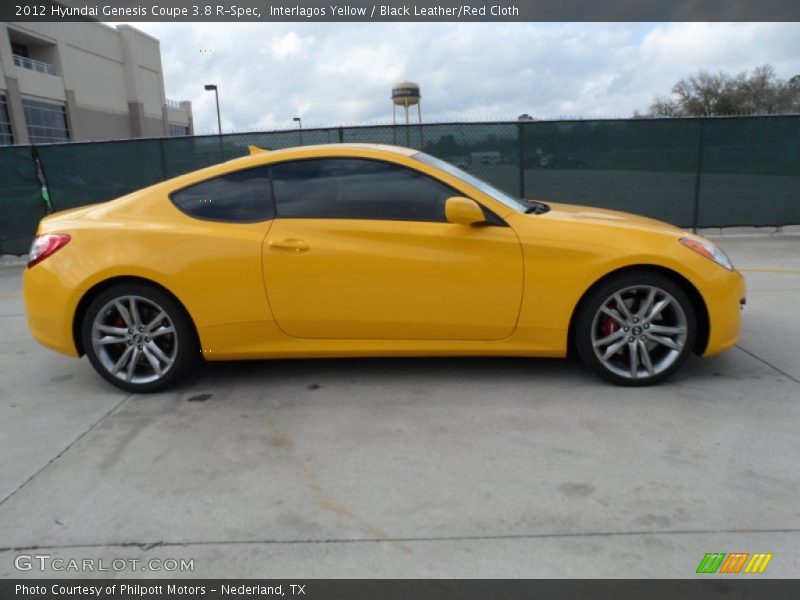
[139, 338]
[636, 329]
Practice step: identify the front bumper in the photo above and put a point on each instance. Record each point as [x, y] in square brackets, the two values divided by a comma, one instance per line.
[724, 304]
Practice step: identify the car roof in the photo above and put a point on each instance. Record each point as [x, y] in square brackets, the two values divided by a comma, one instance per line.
[381, 147]
[259, 156]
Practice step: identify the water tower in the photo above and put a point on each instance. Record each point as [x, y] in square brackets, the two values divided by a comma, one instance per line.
[405, 94]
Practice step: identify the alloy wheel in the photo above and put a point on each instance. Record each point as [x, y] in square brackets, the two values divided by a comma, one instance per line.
[134, 339]
[639, 332]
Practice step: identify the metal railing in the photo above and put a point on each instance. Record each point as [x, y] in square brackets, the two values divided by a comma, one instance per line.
[34, 65]
[173, 103]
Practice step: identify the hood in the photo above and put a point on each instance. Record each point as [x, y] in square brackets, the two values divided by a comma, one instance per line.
[601, 216]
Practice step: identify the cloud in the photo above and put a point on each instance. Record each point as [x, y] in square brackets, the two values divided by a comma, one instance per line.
[291, 46]
[722, 46]
[333, 73]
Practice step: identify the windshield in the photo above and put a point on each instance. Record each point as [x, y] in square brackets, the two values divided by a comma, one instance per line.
[480, 184]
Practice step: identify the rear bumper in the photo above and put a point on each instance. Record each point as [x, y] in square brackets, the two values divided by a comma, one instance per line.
[724, 304]
[50, 308]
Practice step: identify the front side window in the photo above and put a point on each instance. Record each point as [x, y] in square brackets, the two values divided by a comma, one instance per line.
[352, 188]
[46, 122]
[479, 184]
[239, 197]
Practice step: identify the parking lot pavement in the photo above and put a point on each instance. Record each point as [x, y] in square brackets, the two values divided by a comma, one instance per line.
[412, 468]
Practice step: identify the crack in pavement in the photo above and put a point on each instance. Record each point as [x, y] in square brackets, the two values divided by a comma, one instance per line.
[66, 449]
[145, 546]
[770, 365]
[323, 500]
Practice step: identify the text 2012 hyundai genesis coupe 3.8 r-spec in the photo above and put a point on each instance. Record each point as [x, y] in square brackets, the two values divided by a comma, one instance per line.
[367, 250]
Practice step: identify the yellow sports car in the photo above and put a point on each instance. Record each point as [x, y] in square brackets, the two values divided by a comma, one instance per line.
[368, 250]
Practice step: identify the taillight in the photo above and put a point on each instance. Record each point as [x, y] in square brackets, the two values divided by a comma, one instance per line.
[45, 245]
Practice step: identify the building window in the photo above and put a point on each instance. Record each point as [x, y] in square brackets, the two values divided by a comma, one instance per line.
[46, 122]
[176, 130]
[18, 49]
[22, 59]
[6, 136]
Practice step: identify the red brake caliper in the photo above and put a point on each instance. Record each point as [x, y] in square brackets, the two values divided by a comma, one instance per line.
[608, 326]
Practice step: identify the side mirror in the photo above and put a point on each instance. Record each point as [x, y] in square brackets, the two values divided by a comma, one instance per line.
[463, 211]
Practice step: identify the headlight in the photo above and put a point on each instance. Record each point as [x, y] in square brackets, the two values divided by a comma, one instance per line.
[709, 250]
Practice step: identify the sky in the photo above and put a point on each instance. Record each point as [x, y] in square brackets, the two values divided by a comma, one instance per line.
[342, 73]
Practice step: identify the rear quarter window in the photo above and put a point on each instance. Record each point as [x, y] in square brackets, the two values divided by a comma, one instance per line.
[239, 197]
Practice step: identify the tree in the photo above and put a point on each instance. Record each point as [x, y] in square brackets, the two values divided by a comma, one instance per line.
[707, 94]
[665, 107]
[764, 92]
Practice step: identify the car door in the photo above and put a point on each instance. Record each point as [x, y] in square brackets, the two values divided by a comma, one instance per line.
[360, 249]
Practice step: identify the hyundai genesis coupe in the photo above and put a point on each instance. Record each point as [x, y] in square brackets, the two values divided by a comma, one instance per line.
[350, 250]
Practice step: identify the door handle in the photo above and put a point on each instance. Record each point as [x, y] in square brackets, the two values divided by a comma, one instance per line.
[296, 245]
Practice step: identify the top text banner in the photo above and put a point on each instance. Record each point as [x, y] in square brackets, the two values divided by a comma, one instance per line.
[400, 10]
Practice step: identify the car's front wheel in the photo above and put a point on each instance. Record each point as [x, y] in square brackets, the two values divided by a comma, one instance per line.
[139, 338]
[636, 329]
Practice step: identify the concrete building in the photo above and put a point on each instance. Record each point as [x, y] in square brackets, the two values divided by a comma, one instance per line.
[83, 81]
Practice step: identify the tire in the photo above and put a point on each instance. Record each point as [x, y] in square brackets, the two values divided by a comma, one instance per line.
[139, 338]
[644, 340]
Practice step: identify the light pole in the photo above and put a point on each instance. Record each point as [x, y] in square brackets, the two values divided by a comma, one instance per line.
[299, 127]
[210, 87]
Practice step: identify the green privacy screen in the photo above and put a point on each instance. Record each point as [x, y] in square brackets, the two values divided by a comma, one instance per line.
[750, 172]
[21, 203]
[714, 172]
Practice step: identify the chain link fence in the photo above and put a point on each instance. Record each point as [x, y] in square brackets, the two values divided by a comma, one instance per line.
[708, 172]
